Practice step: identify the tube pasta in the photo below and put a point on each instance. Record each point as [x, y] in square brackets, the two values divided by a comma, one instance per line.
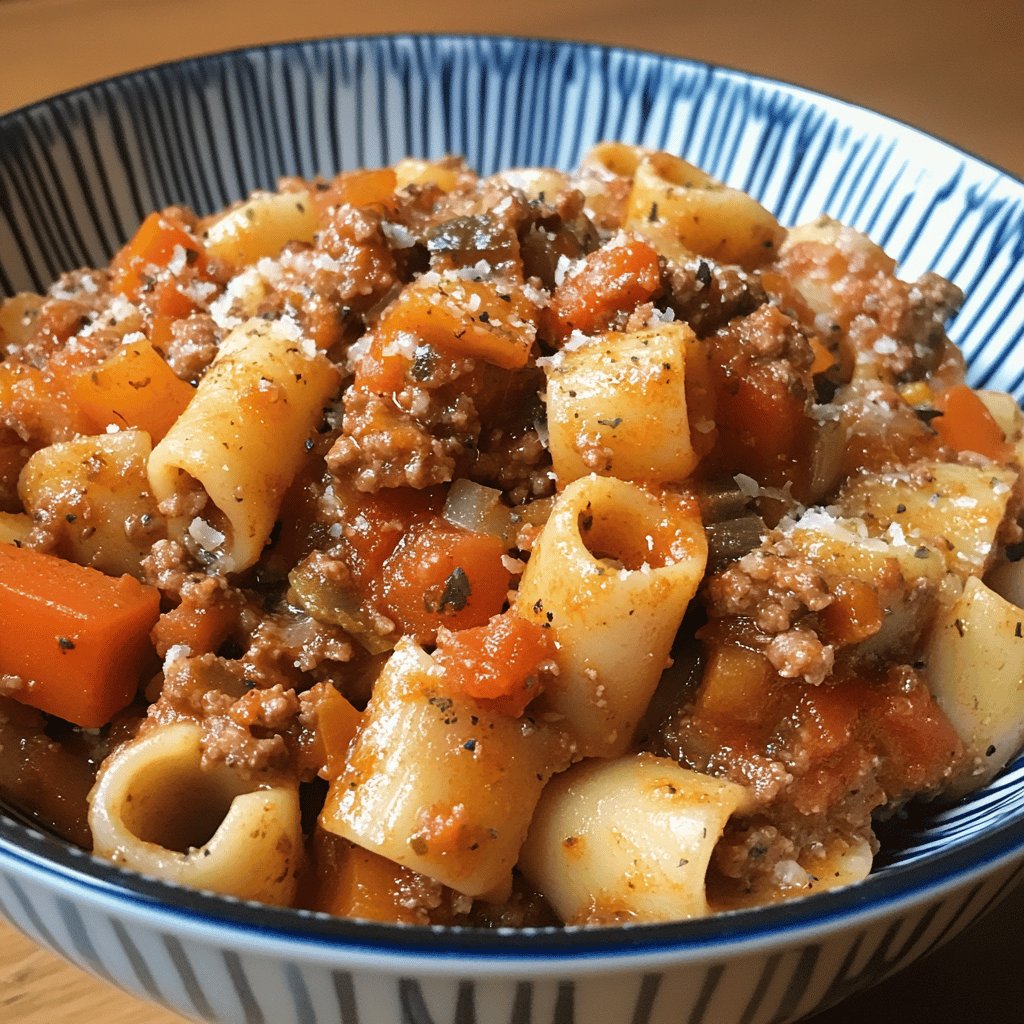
[444, 174]
[974, 660]
[241, 438]
[615, 617]
[709, 218]
[628, 840]
[955, 508]
[617, 407]
[64, 483]
[155, 810]
[260, 227]
[439, 783]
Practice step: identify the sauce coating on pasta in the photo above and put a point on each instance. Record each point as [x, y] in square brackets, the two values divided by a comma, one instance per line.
[528, 549]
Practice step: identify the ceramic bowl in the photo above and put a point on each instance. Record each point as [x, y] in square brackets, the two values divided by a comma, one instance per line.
[78, 172]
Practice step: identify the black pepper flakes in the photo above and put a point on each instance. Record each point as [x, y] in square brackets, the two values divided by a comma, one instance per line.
[65, 644]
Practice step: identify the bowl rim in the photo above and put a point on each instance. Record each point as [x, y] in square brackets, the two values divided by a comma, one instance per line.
[26, 850]
[29, 852]
[462, 38]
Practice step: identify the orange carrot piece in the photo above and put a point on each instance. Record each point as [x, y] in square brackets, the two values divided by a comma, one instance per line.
[736, 684]
[200, 628]
[497, 663]
[358, 188]
[134, 387]
[443, 575]
[78, 639]
[348, 881]
[153, 246]
[336, 723]
[967, 426]
[823, 358]
[464, 319]
[854, 614]
[613, 279]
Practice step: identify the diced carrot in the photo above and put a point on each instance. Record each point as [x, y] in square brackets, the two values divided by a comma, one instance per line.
[152, 247]
[443, 575]
[374, 187]
[763, 428]
[38, 401]
[336, 723]
[854, 614]
[382, 370]
[497, 663]
[345, 880]
[967, 426]
[77, 638]
[735, 685]
[617, 278]
[200, 628]
[375, 523]
[823, 358]
[464, 319]
[134, 387]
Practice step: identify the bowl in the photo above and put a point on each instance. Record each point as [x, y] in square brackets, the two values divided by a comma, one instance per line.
[77, 174]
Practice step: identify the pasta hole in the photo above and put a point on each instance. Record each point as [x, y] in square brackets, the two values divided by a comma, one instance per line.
[177, 811]
[621, 544]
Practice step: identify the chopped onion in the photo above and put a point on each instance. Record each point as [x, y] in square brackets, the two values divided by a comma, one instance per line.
[336, 603]
[478, 508]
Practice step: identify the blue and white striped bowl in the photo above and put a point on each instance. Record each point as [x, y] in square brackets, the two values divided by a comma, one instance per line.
[78, 172]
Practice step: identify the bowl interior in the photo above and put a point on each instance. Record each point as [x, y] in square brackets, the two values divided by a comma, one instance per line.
[80, 171]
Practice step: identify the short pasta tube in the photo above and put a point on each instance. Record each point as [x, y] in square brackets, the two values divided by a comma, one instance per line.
[94, 493]
[628, 840]
[261, 226]
[709, 218]
[242, 439]
[974, 661]
[612, 572]
[440, 784]
[617, 407]
[957, 508]
[155, 810]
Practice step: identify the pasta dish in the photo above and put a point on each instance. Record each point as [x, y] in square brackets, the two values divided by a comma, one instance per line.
[532, 549]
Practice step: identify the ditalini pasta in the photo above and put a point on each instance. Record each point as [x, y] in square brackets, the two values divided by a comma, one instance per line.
[155, 810]
[628, 839]
[613, 572]
[536, 549]
[240, 441]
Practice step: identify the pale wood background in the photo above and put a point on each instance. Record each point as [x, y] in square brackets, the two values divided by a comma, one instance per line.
[953, 68]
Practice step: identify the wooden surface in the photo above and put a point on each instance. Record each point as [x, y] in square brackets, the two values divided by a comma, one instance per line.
[952, 68]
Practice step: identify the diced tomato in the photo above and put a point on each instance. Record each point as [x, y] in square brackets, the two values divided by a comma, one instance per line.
[617, 278]
[443, 575]
[498, 662]
[967, 425]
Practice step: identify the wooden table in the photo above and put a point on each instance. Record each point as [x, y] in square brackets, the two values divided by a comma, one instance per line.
[956, 70]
